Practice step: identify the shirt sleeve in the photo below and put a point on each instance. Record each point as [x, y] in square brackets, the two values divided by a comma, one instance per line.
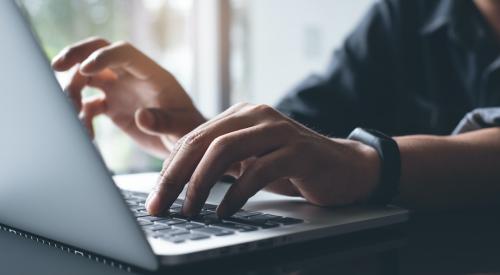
[479, 119]
[356, 89]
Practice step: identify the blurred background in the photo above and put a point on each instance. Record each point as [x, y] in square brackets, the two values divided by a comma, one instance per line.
[222, 51]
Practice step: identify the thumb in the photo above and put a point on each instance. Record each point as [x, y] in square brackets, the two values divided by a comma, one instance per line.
[159, 122]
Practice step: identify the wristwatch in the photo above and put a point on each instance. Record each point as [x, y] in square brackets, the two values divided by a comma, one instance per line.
[390, 170]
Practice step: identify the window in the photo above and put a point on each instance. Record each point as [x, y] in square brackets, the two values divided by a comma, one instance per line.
[159, 28]
[277, 43]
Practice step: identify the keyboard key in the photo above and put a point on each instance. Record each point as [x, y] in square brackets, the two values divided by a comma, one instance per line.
[210, 218]
[245, 214]
[132, 203]
[143, 222]
[208, 206]
[236, 226]
[155, 227]
[185, 237]
[205, 212]
[137, 208]
[176, 212]
[153, 234]
[263, 218]
[141, 214]
[188, 225]
[174, 239]
[150, 218]
[213, 231]
[175, 209]
[288, 221]
[256, 222]
[269, 224]
[170, 221]
[172, 231]
[196, 236]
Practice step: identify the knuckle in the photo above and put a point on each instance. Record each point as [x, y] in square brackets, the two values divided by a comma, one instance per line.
[192, 140]
[221, 143]
[264, 109]
[177, 147]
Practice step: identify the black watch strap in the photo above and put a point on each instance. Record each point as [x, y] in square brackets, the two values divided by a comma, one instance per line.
[390, 170]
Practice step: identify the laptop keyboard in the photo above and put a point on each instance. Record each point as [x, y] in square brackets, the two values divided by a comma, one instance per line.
[176, 228]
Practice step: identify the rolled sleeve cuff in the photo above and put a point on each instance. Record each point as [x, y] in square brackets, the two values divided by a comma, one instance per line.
[479, 119]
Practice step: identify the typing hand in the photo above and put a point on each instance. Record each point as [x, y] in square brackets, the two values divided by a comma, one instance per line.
[139, 96]
[275, 152]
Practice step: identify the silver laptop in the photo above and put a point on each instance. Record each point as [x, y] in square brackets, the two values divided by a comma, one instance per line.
[54, 184]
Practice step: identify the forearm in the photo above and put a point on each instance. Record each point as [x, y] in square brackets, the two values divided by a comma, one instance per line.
[450, 172]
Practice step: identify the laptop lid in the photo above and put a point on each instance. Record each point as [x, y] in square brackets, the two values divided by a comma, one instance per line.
[53, 181]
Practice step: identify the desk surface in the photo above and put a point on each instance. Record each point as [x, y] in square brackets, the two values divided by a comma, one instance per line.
[453, 243]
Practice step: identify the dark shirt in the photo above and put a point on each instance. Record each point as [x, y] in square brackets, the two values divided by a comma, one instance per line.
[410, 66]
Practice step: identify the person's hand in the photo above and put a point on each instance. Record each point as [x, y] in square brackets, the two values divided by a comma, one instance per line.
[139, 96]
[272, 152]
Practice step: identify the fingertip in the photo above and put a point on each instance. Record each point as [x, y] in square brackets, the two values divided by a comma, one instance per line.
[55, 63]
[224, 210]
[58, 64]
[152, 204]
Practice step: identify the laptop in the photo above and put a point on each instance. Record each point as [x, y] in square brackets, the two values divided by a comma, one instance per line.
[55, 185]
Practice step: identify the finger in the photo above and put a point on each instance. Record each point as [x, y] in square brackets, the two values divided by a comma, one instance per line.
[221, 124]
[265, 170]
[74, 88]
[122, 56]
[183, 160]
[283, 187]
[158, 122]
[92, 107]
[77, 53]
[224, 151]
[103, 80]
[169, 184]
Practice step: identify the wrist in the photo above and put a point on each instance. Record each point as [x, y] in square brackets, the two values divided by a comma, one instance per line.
[364, 163]
[369, 167]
